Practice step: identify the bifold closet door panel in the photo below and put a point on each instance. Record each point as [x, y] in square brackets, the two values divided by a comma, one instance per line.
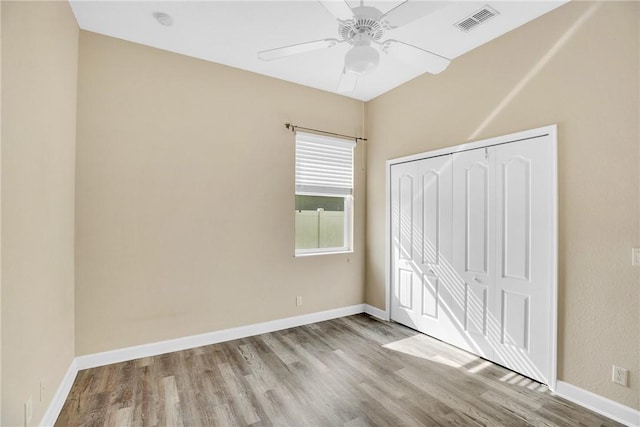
[524, 248]
[421, 245]
[406, 279]
[433, 229]
[473, 241]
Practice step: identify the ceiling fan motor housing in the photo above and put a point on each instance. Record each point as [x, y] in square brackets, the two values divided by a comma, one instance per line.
[365, 24]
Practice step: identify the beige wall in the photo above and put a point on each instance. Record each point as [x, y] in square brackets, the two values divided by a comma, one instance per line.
[185, 198]
[578, 67]
[39, 76]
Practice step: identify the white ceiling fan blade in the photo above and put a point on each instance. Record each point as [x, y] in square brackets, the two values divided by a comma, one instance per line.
[409, 11]
[412, 55]
[338, 8]
[348, 82]
[294, 49]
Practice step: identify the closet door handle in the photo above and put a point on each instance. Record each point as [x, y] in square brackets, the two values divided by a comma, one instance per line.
[433, 273]
[476, 279]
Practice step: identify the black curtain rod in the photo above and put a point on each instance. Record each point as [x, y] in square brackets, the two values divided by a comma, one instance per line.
[294, 127]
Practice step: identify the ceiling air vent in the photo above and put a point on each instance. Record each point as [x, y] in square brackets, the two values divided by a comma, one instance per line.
[476, 18]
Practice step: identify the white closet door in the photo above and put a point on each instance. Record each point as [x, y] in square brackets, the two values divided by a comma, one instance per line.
[434, 237]
[473, 251]
[523, 269]
[406, 280]
[421, 230]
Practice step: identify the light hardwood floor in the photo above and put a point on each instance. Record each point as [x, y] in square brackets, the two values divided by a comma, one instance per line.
[352, 371]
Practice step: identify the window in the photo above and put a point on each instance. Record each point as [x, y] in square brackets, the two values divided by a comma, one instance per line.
[324, 188]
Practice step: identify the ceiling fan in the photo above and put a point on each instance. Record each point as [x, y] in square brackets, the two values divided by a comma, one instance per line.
[363, 28]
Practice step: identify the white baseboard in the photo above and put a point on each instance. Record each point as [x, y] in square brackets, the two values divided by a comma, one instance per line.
[376, 312]
[614, 410]
[146, 350]
[57, 402]
[178, 344]
[604, 406]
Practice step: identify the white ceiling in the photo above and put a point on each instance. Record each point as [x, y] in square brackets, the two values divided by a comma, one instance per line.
[231, 32]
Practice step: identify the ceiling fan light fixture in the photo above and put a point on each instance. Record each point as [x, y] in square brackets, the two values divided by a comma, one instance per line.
[361, 59]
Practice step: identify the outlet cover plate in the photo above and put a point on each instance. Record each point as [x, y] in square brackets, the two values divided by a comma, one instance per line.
[619, 375]
[635, 257]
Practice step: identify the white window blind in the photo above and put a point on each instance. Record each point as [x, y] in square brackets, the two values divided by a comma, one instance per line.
[324, 165]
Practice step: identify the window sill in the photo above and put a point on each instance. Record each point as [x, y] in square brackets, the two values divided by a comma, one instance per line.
[310, 254]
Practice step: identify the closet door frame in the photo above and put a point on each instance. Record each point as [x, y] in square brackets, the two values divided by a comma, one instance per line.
[549, 131]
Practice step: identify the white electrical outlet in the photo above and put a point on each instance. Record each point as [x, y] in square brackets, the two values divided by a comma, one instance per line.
[635, 257]
[620, 375]
[298, 301]
[28, 411]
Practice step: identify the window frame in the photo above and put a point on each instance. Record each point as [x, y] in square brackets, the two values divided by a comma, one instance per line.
[348, 199]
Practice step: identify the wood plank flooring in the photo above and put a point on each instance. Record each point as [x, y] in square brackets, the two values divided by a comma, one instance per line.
[352, 371]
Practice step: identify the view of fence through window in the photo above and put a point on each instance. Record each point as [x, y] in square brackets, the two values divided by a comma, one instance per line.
[319, 222]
